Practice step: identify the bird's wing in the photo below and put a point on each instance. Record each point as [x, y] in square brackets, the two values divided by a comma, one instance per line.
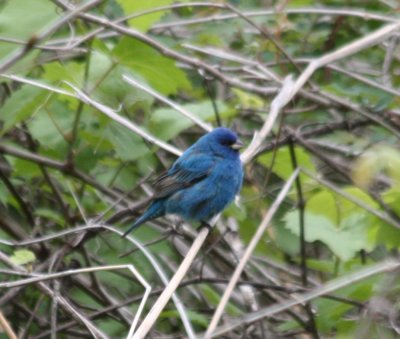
[186, 171]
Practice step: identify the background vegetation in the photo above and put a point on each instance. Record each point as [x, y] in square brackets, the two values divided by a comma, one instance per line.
[80, 144]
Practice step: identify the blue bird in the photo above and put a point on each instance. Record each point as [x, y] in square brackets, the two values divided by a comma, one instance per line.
[201, 182]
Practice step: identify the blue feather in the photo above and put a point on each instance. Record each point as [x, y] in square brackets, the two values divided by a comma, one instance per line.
[201, 183]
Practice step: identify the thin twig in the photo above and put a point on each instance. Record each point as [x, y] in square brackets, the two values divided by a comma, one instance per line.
[366, 15]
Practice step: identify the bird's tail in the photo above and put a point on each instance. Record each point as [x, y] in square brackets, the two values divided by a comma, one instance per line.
[155, 210]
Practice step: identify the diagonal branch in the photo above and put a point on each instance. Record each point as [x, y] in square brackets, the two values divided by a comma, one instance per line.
[387, 265]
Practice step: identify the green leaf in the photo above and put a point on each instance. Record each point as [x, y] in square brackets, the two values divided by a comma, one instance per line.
[50, 214]
[194, 317]
[22, 104]
[51, 127]
[104, 83]
[248, 100]
[237, 212]
[144, 22]
[282, 164]
[20, 19]
[3, 193]
[24, 168]
[383, 233]
[286, 240]
[70, 71]
[375, 160]
[86, 158]
[127, 145]
[344, 242]
[336, 222]
[22, 257]
[167, 123]
[160, 72]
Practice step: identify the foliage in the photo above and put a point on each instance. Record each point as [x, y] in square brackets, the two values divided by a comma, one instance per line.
[64, 164]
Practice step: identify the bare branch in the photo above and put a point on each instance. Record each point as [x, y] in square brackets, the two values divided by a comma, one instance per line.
[387, 265]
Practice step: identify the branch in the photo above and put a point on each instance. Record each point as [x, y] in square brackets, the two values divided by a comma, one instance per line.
[350, 279]
[306, 10]
[290, 88]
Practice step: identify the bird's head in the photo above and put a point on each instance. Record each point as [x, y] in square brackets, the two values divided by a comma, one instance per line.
[223, 141]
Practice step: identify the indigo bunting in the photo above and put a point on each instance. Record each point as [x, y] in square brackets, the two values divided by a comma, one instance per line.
[201, 183]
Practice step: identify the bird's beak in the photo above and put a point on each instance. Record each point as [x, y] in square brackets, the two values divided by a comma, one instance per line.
[237, 145]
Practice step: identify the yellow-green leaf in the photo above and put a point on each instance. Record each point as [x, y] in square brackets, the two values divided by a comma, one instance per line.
[23, 257]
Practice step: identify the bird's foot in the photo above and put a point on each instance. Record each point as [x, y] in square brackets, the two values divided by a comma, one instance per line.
[176, 226]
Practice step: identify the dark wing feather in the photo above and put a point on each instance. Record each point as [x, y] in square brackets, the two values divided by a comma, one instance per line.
[187, 170]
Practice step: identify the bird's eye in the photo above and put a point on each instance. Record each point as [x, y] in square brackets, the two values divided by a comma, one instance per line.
[226, 142]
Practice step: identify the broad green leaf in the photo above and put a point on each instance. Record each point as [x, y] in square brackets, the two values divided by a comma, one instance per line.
[20, 19]
[282, 165]
[24, 168]
[167, 123]
[86, 158]
[59, 74]
[160, 72]
[382, 232]
[375, 160]
[336, 222]
[144, 22]
[392, 198]
[286, 240]
[22, 104]
[344, 241]
[23, 257]
[127, 145]
[104, 82]
[71, 71]
[248, 100]
[52, 127]
[337, 207]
